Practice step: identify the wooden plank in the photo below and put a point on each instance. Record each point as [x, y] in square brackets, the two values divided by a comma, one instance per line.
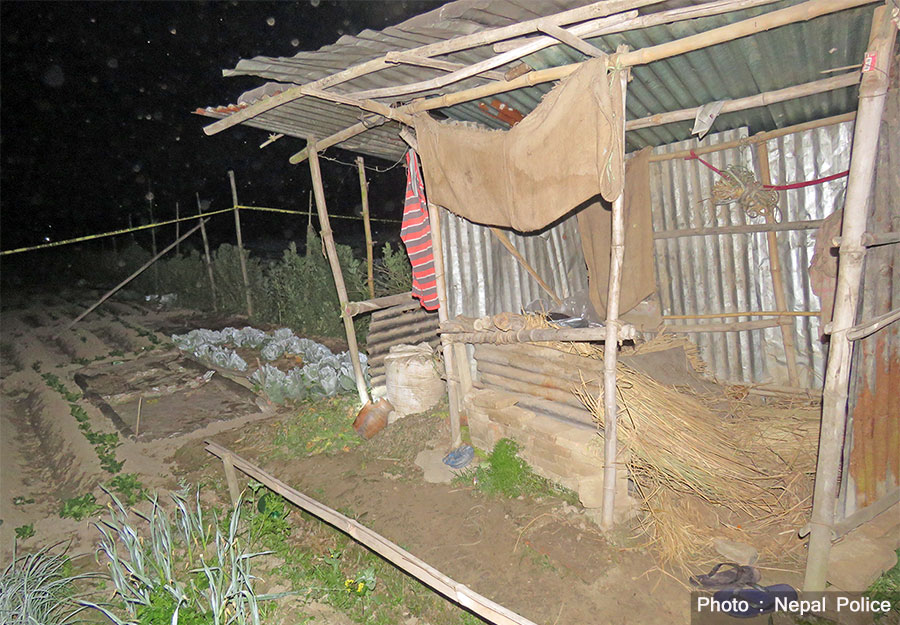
[504, 240]
[573, 41]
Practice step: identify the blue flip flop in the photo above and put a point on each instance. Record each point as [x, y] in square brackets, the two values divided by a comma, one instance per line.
[459, 457]
[759, 599]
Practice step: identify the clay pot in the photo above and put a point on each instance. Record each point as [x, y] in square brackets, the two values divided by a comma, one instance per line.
[372, 418]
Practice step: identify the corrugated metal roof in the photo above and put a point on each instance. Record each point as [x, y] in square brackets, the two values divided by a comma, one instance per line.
[775, 59]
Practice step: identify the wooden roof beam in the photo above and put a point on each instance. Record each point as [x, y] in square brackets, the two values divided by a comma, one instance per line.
[573, 41]
[401, 57]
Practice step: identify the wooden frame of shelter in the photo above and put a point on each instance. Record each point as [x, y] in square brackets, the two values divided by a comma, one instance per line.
[572, 28]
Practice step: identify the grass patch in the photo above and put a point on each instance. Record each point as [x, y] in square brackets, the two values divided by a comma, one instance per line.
[887, 588]
[128, 487]
[503, 472]
[322, 426]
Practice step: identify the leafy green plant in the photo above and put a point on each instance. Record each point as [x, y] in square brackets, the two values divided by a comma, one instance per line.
[24, 532]
[300, 292]
[104, 444]
[504, 473]
[394, 273]
[19, 500]
[39, 588]
[56, 384]
[79, 508]
[128, 486]
[887, 587]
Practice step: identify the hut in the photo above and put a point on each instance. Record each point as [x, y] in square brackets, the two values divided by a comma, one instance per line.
[715, 170]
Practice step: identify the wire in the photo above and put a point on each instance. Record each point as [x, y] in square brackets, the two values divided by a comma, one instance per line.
[375, 169]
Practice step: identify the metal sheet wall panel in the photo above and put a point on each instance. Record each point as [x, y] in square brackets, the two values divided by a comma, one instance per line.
[731, 273]
[484, 279]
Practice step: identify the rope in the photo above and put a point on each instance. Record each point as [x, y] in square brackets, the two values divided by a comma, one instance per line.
[91, 237]
[739, 185]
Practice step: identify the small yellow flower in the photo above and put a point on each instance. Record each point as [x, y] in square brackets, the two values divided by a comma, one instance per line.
[360, 587]
[348, 582]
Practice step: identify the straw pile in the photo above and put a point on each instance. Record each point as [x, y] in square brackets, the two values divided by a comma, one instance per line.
[709, 467]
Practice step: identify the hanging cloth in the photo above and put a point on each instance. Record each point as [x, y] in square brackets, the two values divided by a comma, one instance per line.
[415, 232]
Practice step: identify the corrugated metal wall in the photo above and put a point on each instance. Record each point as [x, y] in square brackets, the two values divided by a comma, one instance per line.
[484, 279]
[731, 273]
[696, 275]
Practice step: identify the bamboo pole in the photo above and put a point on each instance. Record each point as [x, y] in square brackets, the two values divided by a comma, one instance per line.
[331, 252]
[785, 321]
[734, 326]
[872, 326]
[177, 227]
[758, 137]
[207, 257]
[537, 335]
[797, 13]
[597, 9]
[504, 240]
[611, 348]
[240, 243]
[761, 99]
[872, 91]
[399, 557]
[594, 28]
[134, 275]
[453, 381]
[755, 313]
[378, 303]
[153, 244]
[367, 225]
[811, 224]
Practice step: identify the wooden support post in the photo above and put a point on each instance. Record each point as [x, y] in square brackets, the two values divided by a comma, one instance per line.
[786, 323]
[177, 227]
[137, 272]
[504, 240]
[240, 243]
[331, 252]
[153, 244]
[370, 253]
[399, 557]
[872, 91]
[453, 390]
[207, 256]
[234, 490]
[611, 347]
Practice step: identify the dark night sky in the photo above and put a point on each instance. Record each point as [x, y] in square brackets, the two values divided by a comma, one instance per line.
[97, 102]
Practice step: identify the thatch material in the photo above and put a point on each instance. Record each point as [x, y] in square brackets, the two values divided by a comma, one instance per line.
[709, 466]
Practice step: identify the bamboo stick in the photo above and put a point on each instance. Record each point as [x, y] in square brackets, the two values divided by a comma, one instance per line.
[460, 594]
[870, 239]
[760, 136]
[367, 225]
[504, 240]
[456, 44]
[378, 303]
[331, 252]
[735, 326]
[334, 139]
[591, 29]
[767, 313]
[177, 227]
[240, 243]
[207, 256]
[801, 12]
[134, 275]
[785, 321]
[812, 224]
[234, 490]
[453, 386]
[761, 99]
[405, 58]
[537, 335]
[153, 244]
[863, 330]
[573, 41]
[872, 91]
[797, 13]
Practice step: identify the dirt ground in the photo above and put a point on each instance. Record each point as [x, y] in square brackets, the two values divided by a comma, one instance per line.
[543, 559]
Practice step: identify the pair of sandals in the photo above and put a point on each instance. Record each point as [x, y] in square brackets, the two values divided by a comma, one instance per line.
[738, 585]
